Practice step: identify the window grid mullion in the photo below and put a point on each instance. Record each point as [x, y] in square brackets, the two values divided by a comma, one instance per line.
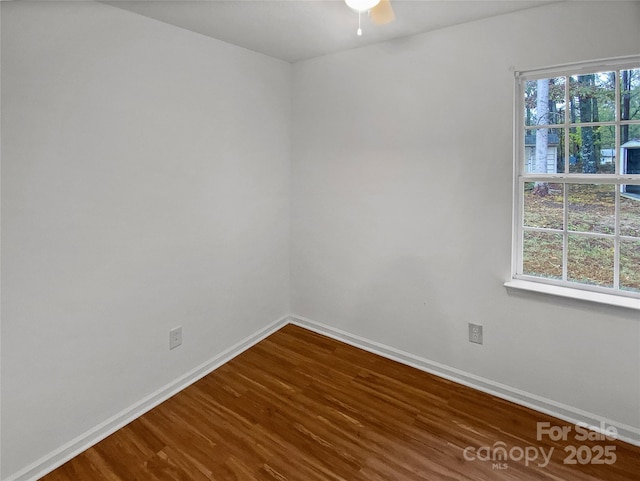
[567, 121]
[565, 190]
[521, 229]
[567, 179]
[618, 115]
[616, 242]
[565, 232]
[583, 179]
[618, 170]
[518, 171]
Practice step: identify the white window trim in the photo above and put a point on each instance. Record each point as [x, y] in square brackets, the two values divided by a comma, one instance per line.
[549, 286]
[574, 293]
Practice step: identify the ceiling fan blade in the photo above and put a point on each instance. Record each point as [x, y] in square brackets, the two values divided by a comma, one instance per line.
[382, 13]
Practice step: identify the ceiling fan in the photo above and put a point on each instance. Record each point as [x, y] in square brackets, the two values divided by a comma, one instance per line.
[380, 11]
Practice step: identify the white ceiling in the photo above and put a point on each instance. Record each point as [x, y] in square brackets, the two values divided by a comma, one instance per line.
[295, 30]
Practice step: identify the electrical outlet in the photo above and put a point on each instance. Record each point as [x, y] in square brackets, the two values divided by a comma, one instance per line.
[475, 333]
[175, 337]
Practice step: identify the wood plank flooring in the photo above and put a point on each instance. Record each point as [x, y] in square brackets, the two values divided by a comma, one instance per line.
[301, 407]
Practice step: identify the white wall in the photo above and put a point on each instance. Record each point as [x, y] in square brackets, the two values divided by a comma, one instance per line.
[145, 184]
[401, 205]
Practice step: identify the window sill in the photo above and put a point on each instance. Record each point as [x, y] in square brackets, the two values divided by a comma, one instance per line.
[599, 297]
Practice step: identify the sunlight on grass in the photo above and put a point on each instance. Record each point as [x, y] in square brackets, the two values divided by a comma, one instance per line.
[592, 208]
[630, 216]
[630, 265]
[543, 255]
[544, 211]
[590, 260]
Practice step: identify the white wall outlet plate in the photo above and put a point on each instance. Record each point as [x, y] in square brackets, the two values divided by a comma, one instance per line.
[175, 337]
[475, 333]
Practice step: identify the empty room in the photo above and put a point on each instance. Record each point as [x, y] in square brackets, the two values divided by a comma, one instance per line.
[300, 240]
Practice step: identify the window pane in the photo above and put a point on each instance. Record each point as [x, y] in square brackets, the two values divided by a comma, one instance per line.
[630, 211]
[590, 260]
[630, 159]
[629, 136]
[630, 265]
[591, 208]
[544, 102]
[542, 254]
[629, 132]
[543, 151]
[543, 205]
[592, 97]
[606, 157]
[592, 150]
[587, 232]
[630, 152]
[630, 94]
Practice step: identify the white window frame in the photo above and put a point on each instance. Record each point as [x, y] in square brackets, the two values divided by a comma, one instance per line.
[565, 288]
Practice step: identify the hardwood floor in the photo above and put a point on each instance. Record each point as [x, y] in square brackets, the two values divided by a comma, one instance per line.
[299, 406]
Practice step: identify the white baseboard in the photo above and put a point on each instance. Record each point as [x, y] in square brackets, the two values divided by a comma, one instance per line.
[58, 457]
[626, 433]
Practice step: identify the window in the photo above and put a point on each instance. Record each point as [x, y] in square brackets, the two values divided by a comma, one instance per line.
[577, 177]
